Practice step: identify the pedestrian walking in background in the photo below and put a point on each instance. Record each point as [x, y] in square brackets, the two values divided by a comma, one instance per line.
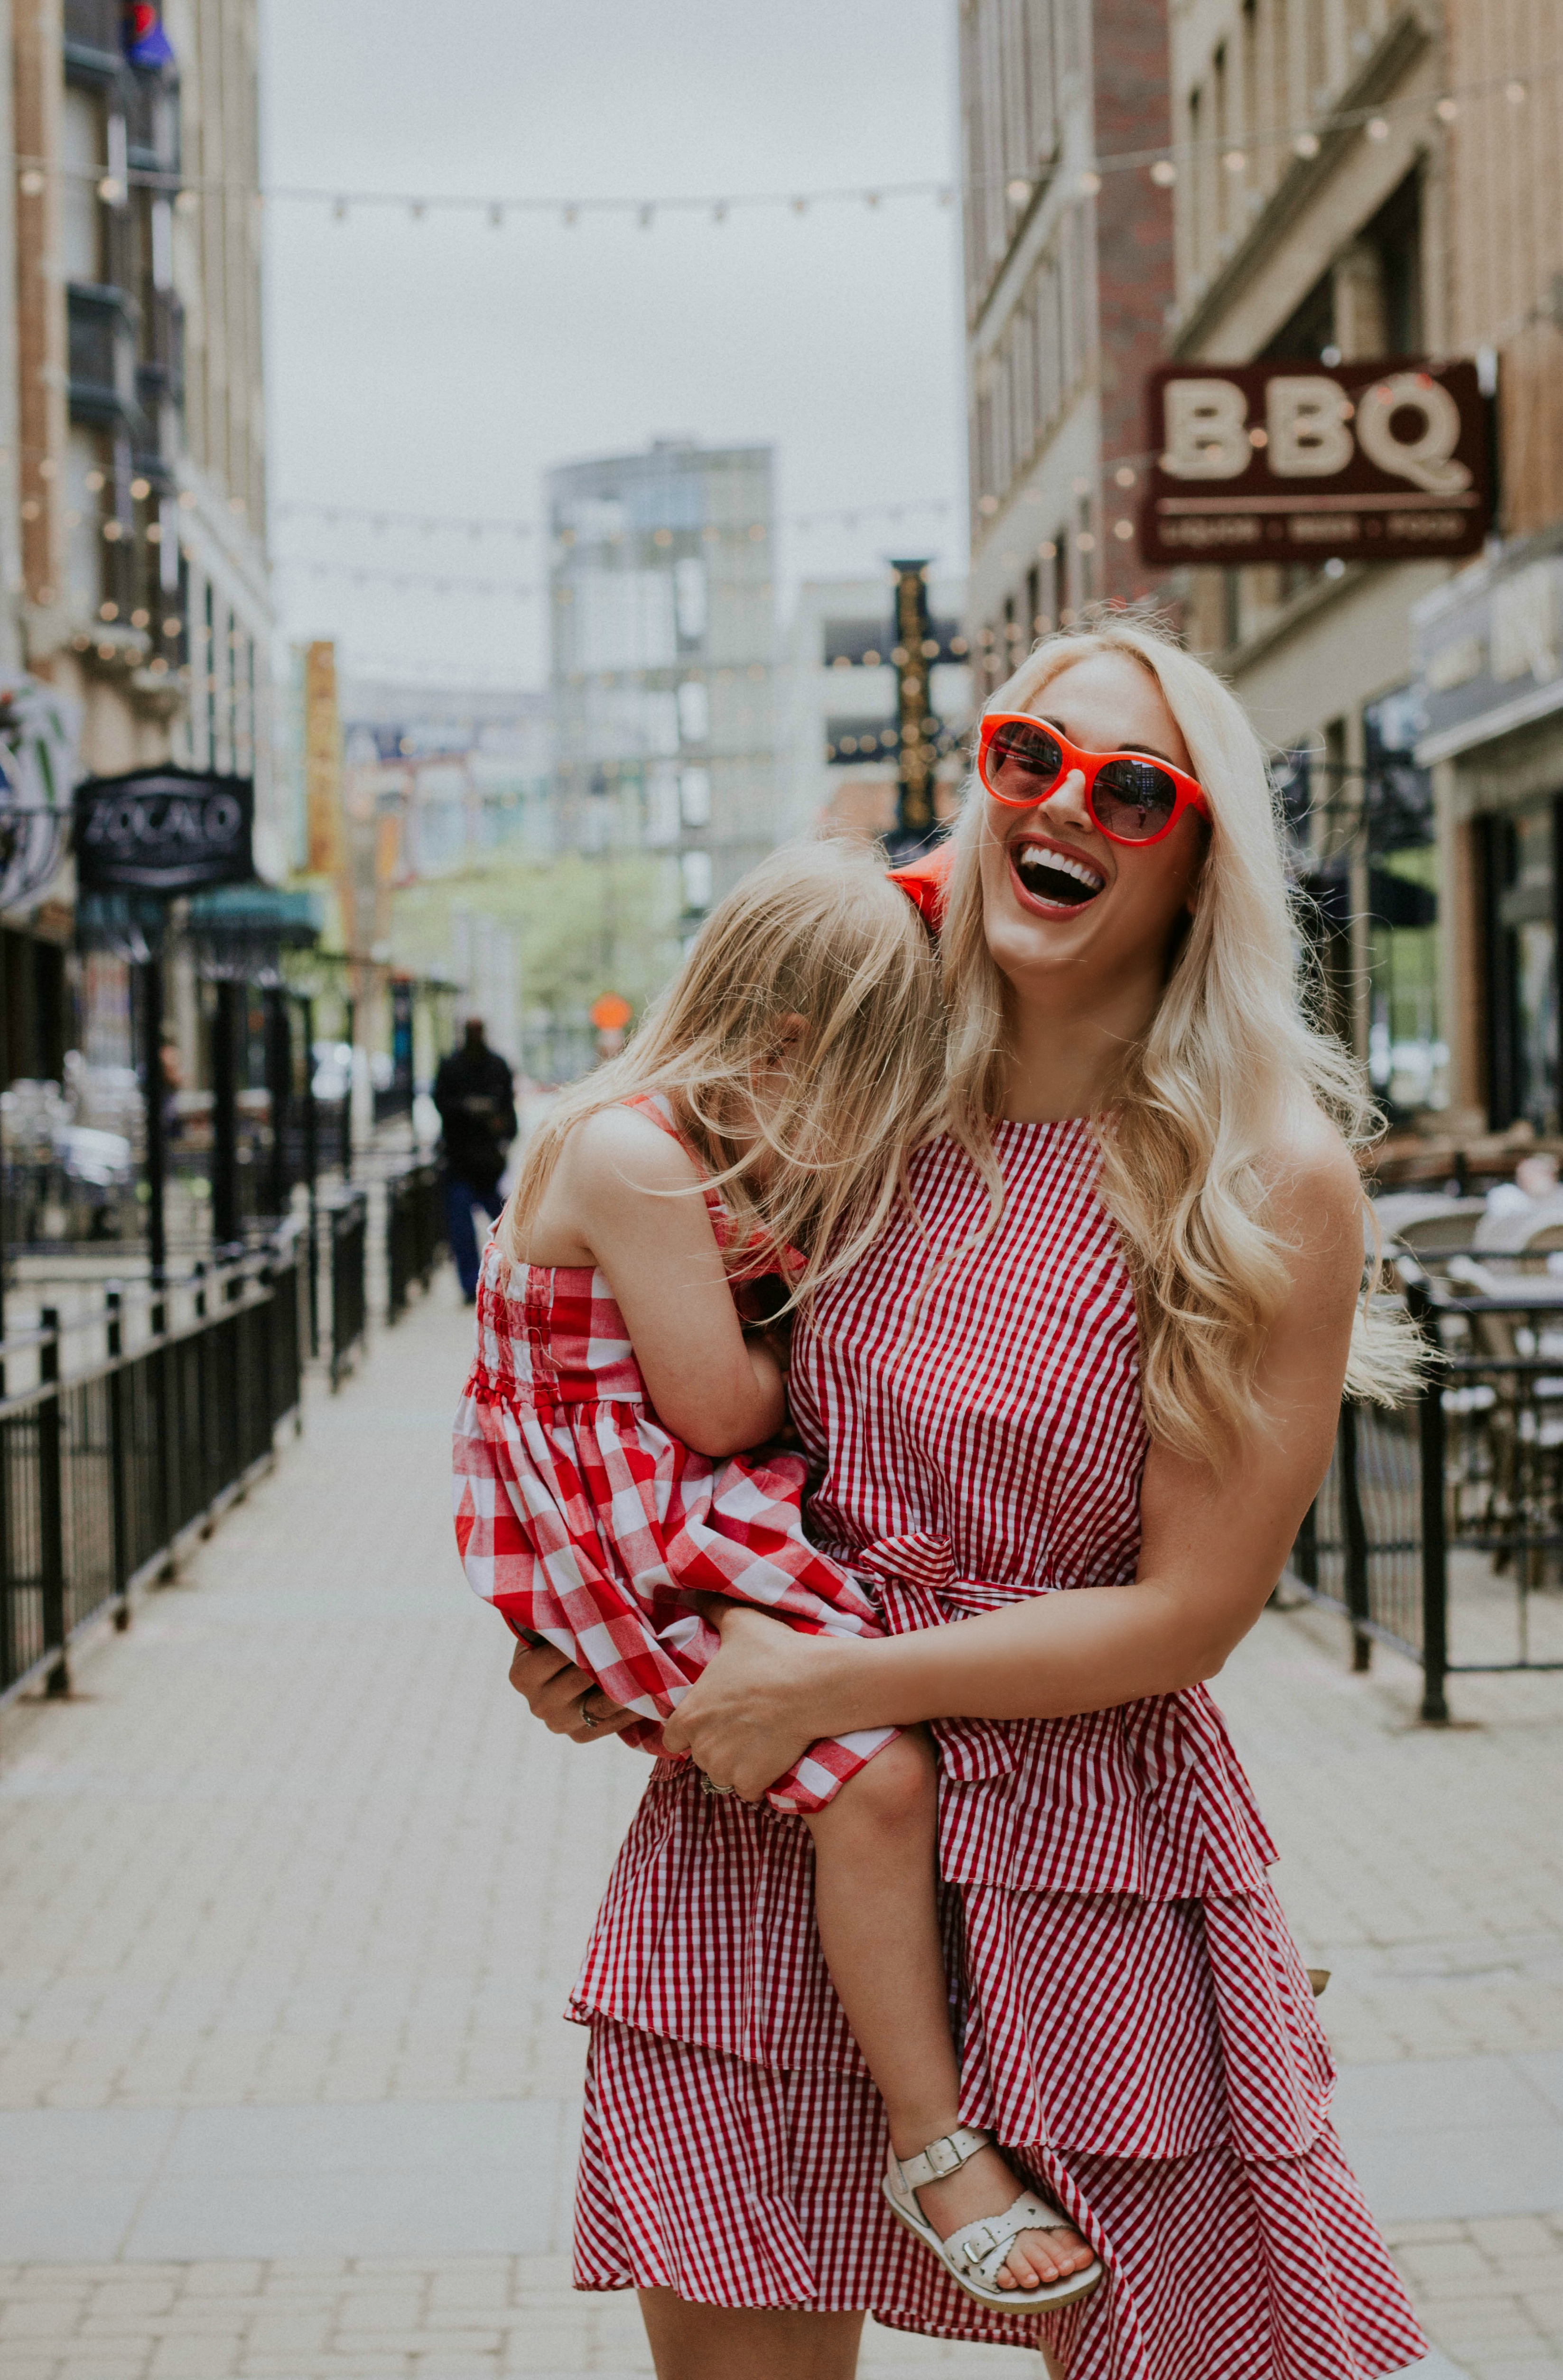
[475, 1092]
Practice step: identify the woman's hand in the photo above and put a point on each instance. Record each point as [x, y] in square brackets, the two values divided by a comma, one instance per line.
[749, 1716]
[561, 1696]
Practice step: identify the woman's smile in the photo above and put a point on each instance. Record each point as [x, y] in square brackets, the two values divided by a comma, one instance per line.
[1051, 876]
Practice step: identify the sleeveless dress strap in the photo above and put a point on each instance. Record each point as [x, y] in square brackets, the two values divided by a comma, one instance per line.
[759, 1255]
[659, 1110]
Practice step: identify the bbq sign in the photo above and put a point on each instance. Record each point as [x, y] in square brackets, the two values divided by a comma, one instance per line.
[1301, 462]
[164, 830]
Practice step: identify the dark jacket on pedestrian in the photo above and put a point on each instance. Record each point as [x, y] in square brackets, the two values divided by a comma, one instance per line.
[475, 1092]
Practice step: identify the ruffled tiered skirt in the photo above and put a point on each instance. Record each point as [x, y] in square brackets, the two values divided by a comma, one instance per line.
[1136, 2028]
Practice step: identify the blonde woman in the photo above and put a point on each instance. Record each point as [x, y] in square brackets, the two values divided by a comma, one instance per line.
[1076, 1399]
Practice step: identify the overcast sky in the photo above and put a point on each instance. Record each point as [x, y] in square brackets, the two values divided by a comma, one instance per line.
[441, 365]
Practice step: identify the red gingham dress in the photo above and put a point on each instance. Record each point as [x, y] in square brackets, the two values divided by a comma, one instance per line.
[580, 1518]
[1137, 2026]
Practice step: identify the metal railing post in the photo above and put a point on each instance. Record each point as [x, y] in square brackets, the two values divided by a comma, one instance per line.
[1355, 1534]
[164, 1447]
[226, 1225]
[311, 1168]
[113, 1301]
[1431, 1433]
[51, 1506]
[7, 1579]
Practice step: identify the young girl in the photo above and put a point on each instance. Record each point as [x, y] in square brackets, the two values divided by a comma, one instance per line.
[744, 1150]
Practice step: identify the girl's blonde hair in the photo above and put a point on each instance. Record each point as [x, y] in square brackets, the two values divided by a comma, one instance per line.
[816, 933]
[1205, 1104]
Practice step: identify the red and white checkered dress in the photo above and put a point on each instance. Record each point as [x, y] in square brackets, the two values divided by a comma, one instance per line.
[580, 1518]
[1137, 2026]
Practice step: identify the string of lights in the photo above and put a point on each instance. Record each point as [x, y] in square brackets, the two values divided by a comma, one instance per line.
[442, 582]
[1162, 162]
[477, 526]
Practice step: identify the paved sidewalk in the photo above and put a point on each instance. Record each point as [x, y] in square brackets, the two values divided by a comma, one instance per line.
[292, 1893]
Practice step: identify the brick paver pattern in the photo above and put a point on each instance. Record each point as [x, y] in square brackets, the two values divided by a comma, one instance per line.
[297, 1842]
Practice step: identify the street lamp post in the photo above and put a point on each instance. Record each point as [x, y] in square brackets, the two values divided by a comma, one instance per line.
[151, 973]
[914, 650]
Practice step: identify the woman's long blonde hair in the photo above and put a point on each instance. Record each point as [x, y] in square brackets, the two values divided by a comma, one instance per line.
[815, 951]
[1205, 1104]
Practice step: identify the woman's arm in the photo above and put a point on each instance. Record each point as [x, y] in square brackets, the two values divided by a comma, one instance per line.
[1213, 1546]
[629, 1197]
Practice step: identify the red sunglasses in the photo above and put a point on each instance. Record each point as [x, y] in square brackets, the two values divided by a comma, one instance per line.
[1132, 799]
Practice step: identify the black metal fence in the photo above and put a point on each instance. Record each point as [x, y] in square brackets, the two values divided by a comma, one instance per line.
[101, 1473]
[389, 1231]
[347, 1219]
[1439, 1528]
[414, 1229]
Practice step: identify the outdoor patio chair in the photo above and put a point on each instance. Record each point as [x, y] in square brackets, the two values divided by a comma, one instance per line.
[1435, 1228]
[1506, 1442]
[1529, 1231]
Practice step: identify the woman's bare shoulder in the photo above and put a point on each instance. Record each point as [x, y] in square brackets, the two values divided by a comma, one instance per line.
[1315, 1186]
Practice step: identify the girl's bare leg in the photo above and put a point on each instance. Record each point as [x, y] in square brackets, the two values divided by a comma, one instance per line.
[875, 1897]
[707, 2342]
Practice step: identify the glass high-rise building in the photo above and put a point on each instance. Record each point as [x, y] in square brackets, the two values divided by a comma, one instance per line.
[663, 659]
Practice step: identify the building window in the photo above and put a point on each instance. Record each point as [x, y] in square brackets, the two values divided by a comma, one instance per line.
[1522, 881]
[1394, 237]
[89, 503]
[84, 157]
[1221, 132]
[694, 871]
[695, 797]
[661, 806]
[689, 599]
[1407, 1057]
[1198, 182]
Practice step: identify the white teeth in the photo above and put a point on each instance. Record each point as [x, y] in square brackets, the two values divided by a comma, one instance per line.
[1045, 857]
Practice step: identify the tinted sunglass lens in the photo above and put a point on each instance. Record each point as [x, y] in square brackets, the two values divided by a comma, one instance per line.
[1023, 763]
[1135, 798]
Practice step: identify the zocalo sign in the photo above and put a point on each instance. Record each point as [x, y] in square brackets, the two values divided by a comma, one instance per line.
[1378, 461]
[166, 830]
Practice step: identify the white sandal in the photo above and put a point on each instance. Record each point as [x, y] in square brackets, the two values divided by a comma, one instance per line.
[973, 2258]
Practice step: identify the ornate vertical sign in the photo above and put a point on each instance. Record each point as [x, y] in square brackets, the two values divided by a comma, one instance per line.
[322, 761]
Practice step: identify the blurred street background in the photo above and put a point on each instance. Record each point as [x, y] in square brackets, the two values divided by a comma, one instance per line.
[471, 481]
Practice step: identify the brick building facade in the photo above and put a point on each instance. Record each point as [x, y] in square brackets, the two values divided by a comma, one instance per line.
[1067, 276]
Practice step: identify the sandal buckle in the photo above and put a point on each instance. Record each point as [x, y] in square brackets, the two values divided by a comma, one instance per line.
[977, 2250]
[944, 2158]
